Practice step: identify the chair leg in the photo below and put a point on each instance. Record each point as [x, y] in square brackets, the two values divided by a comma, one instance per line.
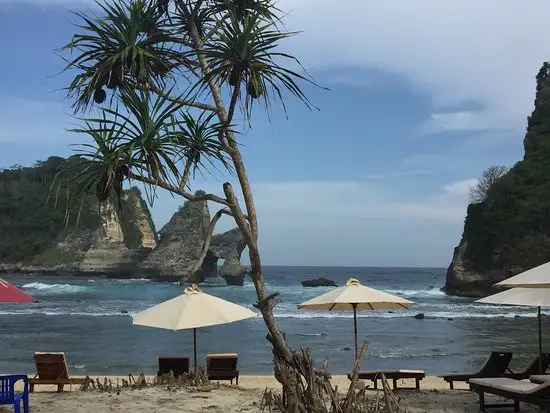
[417, 384]
[31, 387]
[394, 384]
[17, 407]
[451, 384]
[60, 388]
[237, 380]
[516, 405]
[26, 403]
[375, 383]
[481, 401]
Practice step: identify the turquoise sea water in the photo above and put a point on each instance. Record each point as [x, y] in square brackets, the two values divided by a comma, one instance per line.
[85, 318]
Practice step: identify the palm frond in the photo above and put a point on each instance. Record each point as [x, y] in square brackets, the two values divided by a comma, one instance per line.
[245, 55]
[129, 44]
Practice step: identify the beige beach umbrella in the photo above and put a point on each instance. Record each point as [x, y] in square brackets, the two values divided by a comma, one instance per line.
[355, 296]
[538, 277]
[191, 310]
[528, 297]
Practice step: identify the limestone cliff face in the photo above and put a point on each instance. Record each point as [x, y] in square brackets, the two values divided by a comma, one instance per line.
[180, 244]
[122, 239]
[108, 253]
[463, 281]
[509, 231]
[177, 254]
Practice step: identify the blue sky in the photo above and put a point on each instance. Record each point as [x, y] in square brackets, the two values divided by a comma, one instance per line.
[423, 96]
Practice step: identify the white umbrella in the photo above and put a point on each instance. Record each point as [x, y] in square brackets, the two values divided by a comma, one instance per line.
[538, 277]
[193, 309]
[355, 296]
[529, 297]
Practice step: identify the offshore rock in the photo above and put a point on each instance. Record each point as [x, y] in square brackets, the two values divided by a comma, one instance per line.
[181, 241]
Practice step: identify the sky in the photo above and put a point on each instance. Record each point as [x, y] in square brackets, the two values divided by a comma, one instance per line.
[422, 97]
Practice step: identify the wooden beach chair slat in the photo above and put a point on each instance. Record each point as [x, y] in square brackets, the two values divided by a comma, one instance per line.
[51, 369]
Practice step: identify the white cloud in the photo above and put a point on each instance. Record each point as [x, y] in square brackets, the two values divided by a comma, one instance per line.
[456, 51]
[460, 187]
[398, 174]
[376, 176]
[347, 223]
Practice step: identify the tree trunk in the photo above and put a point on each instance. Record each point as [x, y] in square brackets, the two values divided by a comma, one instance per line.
[286, 372]
[206, 243]
[186, 172]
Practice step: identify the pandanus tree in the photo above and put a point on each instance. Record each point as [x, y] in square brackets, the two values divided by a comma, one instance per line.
[169, 80]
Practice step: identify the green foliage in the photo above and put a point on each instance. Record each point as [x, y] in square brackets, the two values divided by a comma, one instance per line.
[31, 216]
[53, 256]
[38, 207]
[511, 228]
[155, 128]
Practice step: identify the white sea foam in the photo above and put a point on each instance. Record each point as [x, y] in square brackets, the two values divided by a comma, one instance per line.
[55, 288]
[434, 292]
[60, 312]
[305, 315]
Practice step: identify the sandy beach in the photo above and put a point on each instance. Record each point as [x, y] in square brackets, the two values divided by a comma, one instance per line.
[434, 397]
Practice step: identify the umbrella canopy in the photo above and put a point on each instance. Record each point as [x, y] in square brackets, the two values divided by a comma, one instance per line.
[538, 277]
[528, 297]
[355, 296]
[9, 293]
[193, 309]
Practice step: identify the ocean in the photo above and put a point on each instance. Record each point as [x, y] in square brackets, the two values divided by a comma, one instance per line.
[90, 320]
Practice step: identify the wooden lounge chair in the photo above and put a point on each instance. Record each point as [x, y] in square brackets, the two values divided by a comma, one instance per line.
[516, 390]
[393, 375]
[539, 378]
[532, 369]
[222, 366]
[495, 366]
[51, 368]
[177, 365]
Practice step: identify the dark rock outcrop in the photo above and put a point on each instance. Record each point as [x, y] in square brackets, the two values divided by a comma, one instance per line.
[180, 245]
[508, 232]
[319, 282]
[177, 255]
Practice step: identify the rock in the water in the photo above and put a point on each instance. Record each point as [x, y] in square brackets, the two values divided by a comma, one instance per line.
[462, 280]
[177, 255]
[229, 247]
[180, 245]
[419, 316]
[319, 282]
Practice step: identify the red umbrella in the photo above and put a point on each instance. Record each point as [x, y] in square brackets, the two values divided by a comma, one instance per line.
[11, 294]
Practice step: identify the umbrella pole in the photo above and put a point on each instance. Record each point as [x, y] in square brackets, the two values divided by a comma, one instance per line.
[355, 327]
[195, 349]
[539, 316]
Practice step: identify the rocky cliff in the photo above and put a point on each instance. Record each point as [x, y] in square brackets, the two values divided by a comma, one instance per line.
[114, 248]
[177, 254]
[180, 244]
[509, 231]
[45, 231]
[45, 226]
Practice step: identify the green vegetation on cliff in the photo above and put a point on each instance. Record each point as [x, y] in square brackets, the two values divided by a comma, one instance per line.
[510, 229]
[36, 211]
